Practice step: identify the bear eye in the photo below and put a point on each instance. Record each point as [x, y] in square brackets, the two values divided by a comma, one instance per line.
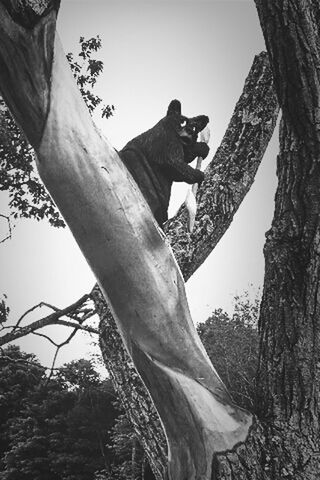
[183, 123]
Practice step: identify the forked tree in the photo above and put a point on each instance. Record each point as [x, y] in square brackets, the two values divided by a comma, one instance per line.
[207, 434]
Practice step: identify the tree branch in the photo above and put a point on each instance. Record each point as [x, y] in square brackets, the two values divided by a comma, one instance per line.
[229, 176]
[8, 236]
[76, 327]
[52, 319]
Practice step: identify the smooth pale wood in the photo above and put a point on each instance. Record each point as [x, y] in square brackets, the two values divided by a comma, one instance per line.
[138, 274]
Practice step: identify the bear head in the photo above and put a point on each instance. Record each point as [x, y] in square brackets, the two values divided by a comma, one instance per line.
[186, 128]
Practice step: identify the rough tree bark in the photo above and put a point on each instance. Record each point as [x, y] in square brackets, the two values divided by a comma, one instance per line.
[228, 178]
[120, 239]
[289, 376]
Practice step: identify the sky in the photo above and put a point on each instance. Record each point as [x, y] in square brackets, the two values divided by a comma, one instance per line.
[198, 51]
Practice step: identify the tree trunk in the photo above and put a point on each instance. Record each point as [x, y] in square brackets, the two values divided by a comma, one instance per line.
[121, 241]
[228, 179]
[288, 377]
[291, 32]
[285, 445]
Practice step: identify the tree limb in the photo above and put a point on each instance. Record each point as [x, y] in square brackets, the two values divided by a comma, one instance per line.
[229, 176]
[52, 319]
[9, 234]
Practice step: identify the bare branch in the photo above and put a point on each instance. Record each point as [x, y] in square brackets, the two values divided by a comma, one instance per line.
[43, 335]
[85, 328]
[7, 218]
[59, 346]
[73, 310]
[39, 305]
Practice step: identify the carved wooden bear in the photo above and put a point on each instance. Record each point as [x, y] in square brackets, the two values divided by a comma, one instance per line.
[160, 156]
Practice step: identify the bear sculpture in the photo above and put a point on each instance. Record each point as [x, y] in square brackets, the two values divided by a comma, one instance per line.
[160, 156]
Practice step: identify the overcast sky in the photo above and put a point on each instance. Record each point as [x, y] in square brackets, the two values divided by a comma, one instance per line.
[199, 52]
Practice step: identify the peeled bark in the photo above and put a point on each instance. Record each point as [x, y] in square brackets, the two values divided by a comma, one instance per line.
[125, 248]
[228, 179]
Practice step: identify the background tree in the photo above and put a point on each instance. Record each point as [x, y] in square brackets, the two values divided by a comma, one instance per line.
[130, 459]
[20, 376]
[55, 428]
[232, 344]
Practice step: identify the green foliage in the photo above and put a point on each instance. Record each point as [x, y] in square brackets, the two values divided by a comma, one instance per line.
[79, 375]
[86, 71]
[232, 345]
[28, 197]
[55, 429]
[19, 377]
[123, 439]
[4, 309]
[129, 459]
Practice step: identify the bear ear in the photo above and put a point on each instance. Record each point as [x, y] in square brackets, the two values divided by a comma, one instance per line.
[174, 108]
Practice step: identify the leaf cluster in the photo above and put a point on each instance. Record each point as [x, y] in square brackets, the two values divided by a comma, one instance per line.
[86, 71]
[232, 344]
[4, 309]
[28, 197]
